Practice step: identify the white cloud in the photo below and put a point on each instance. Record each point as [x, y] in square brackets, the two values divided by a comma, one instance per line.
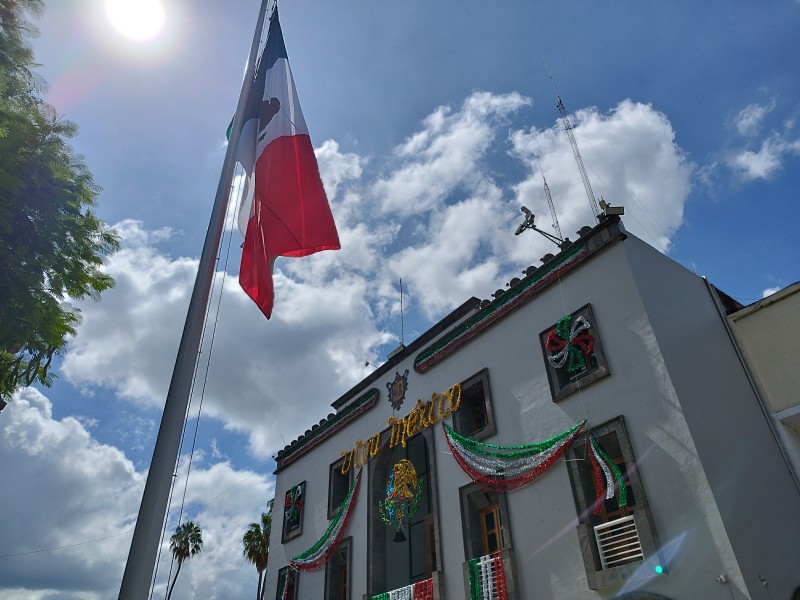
[464, 239]
[764, 156]
[766, 161]
[445, 154]
[69, 514]
[631, 158]
[770, 291]
[67, 489]
[336, 167]
[128, 342]
[437, 219]
[748, 121]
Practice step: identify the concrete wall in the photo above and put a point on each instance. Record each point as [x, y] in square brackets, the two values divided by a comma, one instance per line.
[711, 477]
[543, 517]
[765, 332]
[750, 479]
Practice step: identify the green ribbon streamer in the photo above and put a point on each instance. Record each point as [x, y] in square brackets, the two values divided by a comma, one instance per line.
[324, 539]
[498, 451]
[623, 492]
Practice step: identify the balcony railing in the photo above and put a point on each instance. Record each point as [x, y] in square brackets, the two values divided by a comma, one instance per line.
[618, 542]
[422, 590]
[487, 578]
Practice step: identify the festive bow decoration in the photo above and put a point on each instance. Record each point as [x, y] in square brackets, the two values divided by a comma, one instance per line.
[569, 344]
[293, 503]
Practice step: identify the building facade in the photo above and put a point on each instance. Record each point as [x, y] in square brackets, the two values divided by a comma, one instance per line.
[592, 432]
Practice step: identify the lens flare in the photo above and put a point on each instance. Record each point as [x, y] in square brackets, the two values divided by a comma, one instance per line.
[139, 20]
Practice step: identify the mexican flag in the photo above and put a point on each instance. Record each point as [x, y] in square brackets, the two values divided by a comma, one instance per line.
[284, 209]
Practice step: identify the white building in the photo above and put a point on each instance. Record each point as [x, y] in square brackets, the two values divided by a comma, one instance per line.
[610, 332]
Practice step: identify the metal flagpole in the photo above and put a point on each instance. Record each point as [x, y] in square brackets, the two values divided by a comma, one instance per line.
[152, 512]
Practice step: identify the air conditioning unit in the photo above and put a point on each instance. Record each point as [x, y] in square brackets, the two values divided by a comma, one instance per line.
[618, 542]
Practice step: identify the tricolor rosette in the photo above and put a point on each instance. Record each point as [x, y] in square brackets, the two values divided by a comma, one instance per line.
[569, 344]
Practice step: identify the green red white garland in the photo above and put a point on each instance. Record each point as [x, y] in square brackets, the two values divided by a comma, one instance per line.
[607, 476]
[422, 590]
[503, 468]
[487, 577]
[316, 556]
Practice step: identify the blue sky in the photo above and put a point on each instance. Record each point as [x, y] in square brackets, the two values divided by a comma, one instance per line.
[429, 121]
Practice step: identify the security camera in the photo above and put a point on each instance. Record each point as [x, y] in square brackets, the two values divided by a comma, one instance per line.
[722, 579]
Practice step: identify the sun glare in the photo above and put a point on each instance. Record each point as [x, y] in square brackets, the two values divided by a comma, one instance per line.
[138, 20]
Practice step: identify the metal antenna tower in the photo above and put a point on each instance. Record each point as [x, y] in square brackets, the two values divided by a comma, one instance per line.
[569, 127]
[550, 203]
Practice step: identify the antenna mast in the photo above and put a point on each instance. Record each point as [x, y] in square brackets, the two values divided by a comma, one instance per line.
[402, 341]
[569, 127]
[550, 203]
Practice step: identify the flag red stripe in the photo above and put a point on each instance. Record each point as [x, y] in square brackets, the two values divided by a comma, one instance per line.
[291, 216]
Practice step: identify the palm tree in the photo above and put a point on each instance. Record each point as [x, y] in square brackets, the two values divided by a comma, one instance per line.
[184, 543]
[256, 548]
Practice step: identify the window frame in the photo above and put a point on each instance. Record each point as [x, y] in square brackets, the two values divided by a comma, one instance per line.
[287, 571]
[474, 500]
[460, 417]
[558, 387]
[290, 535]
[597, 577]
[497, 531]
[332, 477]
[377, 531]
[345, 547]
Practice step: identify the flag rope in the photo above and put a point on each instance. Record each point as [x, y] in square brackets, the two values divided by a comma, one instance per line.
[223, 278]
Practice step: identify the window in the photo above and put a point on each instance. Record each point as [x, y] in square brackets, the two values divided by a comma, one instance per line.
[484, 517]
[490, 528]
[287, 582]
[337, 572]
[338, 486]
[607, 560]
[573, 355]
[421, 555]
[399, 561]
[475, 417]
[487, 535]
[293, 504]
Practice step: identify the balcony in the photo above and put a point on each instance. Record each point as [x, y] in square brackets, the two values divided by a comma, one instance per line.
[422, 590]
[490, 577]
